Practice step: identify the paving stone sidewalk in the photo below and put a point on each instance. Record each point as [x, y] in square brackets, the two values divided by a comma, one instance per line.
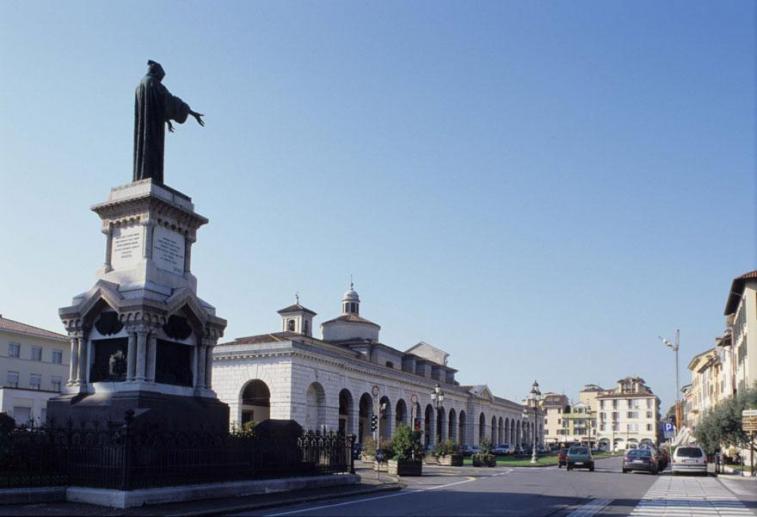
[691, 496]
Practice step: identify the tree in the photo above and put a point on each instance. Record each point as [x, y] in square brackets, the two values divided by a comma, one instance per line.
[722, 424]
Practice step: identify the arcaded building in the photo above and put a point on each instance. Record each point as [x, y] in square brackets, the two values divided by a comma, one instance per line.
[338, 382]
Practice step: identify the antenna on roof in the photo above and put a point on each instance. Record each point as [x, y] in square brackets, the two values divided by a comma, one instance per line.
[297, 297]
[352, 284]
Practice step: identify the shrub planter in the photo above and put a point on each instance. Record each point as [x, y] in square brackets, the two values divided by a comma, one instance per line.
[430, 459]
[484, 461]
[451, 460]
[367, 458]
[405, 468]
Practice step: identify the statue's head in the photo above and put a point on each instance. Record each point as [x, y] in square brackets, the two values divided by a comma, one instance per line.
[154, 69]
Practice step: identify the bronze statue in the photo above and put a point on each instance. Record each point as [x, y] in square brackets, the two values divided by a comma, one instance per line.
[154, 107]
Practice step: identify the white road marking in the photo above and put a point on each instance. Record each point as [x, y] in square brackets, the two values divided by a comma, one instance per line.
[592, 507]
[398, 494]
[677, 496]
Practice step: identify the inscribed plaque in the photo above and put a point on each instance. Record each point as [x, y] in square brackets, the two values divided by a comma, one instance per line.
[126, 247]
[168, 250]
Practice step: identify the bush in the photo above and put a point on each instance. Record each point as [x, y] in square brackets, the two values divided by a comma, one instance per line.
[387, 449]
[722, 424]
[406, 444]
[369, 446]
[245, 430]
[484, 455]
[446, 448]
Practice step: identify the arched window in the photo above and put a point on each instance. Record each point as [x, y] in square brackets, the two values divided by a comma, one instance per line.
[290, 325]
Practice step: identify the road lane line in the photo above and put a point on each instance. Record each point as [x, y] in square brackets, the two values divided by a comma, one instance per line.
[592, 507]
[398, 494]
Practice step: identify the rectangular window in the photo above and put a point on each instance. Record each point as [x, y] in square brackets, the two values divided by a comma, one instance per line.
[57, 382]
[57, 356]
[649, 427]
[35, 381]
[14, 350]
[632, 414]
[12, 380]
[36, 353]
[615, 404]
[649, 414]
[649, 403]
[22, 415]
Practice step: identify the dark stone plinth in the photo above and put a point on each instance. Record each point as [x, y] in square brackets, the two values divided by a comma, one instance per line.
[151, 409]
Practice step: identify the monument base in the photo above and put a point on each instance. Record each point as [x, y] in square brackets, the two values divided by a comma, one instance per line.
[150, 409]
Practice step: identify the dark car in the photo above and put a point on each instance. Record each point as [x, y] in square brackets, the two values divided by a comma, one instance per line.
[641, 459]
[562, 458]
[357, 450]
[579, 457]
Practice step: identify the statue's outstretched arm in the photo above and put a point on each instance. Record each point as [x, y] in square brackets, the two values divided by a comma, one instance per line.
[198, 117]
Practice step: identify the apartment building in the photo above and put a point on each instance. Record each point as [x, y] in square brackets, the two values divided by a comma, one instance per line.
[741, 315]
[628, 415]
[553, 405]
[34, 367]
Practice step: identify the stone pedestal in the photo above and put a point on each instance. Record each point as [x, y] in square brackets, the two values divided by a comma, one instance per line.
[141, 339]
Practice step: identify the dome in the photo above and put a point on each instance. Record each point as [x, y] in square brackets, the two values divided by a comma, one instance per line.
[351, 296]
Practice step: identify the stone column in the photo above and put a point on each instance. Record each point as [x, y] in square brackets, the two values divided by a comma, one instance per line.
[152, 355]
[140, 374]
[73, 364]
[202, 364]
[209, 366]
[82, 361]
[131, 356]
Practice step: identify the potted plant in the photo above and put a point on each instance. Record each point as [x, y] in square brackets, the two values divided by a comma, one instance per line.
[406, 448]
[484, 456]
[448, 454]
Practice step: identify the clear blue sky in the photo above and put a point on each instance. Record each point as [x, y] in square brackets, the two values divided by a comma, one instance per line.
[539, 188]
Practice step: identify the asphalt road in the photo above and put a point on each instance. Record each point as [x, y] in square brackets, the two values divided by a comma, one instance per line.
[501, 491]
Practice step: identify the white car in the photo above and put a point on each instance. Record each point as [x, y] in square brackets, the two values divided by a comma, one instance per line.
[689, 458]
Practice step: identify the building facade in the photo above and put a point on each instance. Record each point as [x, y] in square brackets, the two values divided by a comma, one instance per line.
[741, 316]
[553, 405]
[338, 382]
[628, 415]
[34, 364]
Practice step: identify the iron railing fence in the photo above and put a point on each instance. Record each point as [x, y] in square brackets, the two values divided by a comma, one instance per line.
[125, 459]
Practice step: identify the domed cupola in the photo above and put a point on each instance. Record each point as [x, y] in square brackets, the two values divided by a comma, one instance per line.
[351, 301]
[350, 326]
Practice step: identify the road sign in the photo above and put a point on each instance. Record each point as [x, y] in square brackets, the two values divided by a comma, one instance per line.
[749, 420]
[669, 431]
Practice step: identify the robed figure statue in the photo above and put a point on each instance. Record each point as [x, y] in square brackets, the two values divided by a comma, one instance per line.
[154, 108]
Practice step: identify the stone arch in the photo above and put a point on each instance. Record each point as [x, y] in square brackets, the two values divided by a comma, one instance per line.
[481, 427]
[494, 431]
[518, 437]
[346, 410]
[461, 438]
[513, 440]
[452, 425]
[400, 413]
[428, 424]
[385, 418]
[254, 402]
[365, 412]
[315, 410]
[507, 431]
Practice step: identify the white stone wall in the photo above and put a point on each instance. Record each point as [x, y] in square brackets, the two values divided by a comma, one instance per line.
[297, 378]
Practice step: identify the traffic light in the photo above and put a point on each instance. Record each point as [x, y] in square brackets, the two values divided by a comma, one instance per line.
[374, 422]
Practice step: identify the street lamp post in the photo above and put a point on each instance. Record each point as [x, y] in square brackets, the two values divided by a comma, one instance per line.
[437, 396]
[675, 346]
[534, 397]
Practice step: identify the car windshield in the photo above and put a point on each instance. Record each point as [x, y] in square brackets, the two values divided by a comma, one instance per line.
[639, 453]
[689, 452]
[578, 450]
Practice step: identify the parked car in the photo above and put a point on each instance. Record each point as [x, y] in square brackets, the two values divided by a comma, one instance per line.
[519, 450]
[641, 459]
[688, 459]
[502, 449]
[580, 457]
[469, 450]
[562, 457]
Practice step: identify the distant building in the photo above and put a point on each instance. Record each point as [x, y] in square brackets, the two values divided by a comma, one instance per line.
[34, 364]
[340, 381]
[706, 387]
[628, 415]
[553, 405]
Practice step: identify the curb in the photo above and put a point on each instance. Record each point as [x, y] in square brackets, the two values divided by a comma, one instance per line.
[251, 506]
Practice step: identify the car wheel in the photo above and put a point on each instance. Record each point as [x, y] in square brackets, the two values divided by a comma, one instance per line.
[591, 469]
[625, 471]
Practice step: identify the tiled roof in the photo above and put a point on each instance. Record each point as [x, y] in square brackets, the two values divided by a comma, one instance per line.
[29, 330]
[352, 318]
[737, 289]
[296, 308]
